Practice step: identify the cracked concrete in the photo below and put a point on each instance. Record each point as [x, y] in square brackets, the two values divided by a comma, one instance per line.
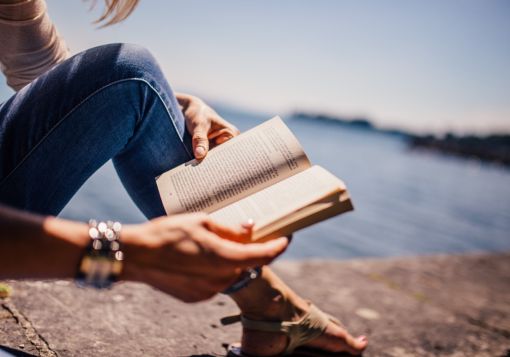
[28, 332]
[420, 306]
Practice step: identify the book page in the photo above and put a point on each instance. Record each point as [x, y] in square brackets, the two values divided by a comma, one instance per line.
[332, 205]
[277, 201]
[258, 158]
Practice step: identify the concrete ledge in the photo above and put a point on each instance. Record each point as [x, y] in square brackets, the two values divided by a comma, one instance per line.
[426, 306]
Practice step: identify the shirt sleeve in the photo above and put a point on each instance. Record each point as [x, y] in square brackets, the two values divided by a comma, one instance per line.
[29, 42]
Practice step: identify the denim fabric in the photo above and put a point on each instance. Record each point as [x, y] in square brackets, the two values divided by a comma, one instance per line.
[109, 102]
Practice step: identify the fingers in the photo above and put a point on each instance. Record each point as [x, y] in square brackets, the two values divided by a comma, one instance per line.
[249, 255]
[214, 134]
[221, 130]
[200, 140]
[224, 134]
[243, 255]
[242, 234]
[206, 125]
[216, 130]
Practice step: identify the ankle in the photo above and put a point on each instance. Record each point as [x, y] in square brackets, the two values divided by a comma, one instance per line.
[274, 307]
[268, 298]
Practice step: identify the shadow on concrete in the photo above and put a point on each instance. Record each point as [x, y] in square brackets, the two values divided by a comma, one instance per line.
[12, 352]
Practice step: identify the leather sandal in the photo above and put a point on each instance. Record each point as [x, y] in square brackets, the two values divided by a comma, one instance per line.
[311, 325]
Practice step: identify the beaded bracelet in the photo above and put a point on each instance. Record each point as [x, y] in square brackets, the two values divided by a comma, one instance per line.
[101, 263]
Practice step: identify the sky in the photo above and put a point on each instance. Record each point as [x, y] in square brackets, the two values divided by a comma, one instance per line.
[427, 66]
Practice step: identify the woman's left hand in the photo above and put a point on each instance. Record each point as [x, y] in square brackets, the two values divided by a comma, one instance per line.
[206, 127]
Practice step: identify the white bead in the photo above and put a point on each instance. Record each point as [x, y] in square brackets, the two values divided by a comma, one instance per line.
[93, 233]
[96, 244]
[101, 227]
[117, 227]
[109, 234]
[119, 255]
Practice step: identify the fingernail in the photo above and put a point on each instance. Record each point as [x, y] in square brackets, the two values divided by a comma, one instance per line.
[200, 151]
[248, 224]
[362, 338]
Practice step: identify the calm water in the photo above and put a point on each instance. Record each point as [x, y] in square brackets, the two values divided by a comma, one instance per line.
[407, 202]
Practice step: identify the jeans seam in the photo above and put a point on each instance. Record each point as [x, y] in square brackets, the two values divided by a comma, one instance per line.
[171, 115]
[169, 112]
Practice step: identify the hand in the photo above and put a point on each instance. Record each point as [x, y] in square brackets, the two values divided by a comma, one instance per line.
[206, 127]
[191, 257]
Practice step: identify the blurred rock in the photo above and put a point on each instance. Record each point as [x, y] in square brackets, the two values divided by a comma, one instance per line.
[493, 148]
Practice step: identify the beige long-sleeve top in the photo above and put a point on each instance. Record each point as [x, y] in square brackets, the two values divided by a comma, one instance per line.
[29, 42]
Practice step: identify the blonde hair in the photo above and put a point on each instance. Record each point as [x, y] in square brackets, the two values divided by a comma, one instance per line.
[115, 11]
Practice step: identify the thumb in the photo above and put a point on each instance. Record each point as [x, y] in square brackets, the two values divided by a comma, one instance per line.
[200, 141]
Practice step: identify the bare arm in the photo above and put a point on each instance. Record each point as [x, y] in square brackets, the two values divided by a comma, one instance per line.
[188, 256]
[33, 246]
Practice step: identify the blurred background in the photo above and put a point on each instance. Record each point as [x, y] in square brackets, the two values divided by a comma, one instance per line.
[409, 104]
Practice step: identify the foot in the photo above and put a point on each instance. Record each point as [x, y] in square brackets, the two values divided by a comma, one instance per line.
[269, 299]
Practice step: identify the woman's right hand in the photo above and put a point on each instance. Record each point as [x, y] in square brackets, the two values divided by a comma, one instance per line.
[191, 257]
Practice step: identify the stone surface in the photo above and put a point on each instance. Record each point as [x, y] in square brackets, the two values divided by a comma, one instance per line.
[426, 306]
[12, 334]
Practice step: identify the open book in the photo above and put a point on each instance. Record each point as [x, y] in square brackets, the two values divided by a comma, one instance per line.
[262, 174]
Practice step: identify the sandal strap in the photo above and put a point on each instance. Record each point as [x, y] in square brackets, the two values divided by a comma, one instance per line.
[310, 326]
[266, 326]
[232, 319]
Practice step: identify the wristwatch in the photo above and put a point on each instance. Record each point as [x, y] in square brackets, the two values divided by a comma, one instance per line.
[244, 280]
[101, 263]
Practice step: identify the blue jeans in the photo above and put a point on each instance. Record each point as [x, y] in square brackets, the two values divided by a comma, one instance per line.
[109, 102]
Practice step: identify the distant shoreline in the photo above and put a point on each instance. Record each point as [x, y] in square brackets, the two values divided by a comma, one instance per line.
[489, 148]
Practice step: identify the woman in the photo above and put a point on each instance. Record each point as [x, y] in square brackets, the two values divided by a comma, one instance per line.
[68, 117]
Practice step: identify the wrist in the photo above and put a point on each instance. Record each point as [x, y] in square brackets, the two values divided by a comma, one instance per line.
[75, 233]
[67, 240]
[132, 244]
[101, 263]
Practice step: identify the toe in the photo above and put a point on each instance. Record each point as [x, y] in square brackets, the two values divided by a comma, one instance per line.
[355, 345]
[337, 339]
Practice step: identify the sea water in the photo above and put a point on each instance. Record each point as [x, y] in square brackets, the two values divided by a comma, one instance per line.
[407, 202]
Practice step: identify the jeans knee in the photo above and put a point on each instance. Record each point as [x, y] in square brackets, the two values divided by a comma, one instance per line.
[136, 60]
[127, 61]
